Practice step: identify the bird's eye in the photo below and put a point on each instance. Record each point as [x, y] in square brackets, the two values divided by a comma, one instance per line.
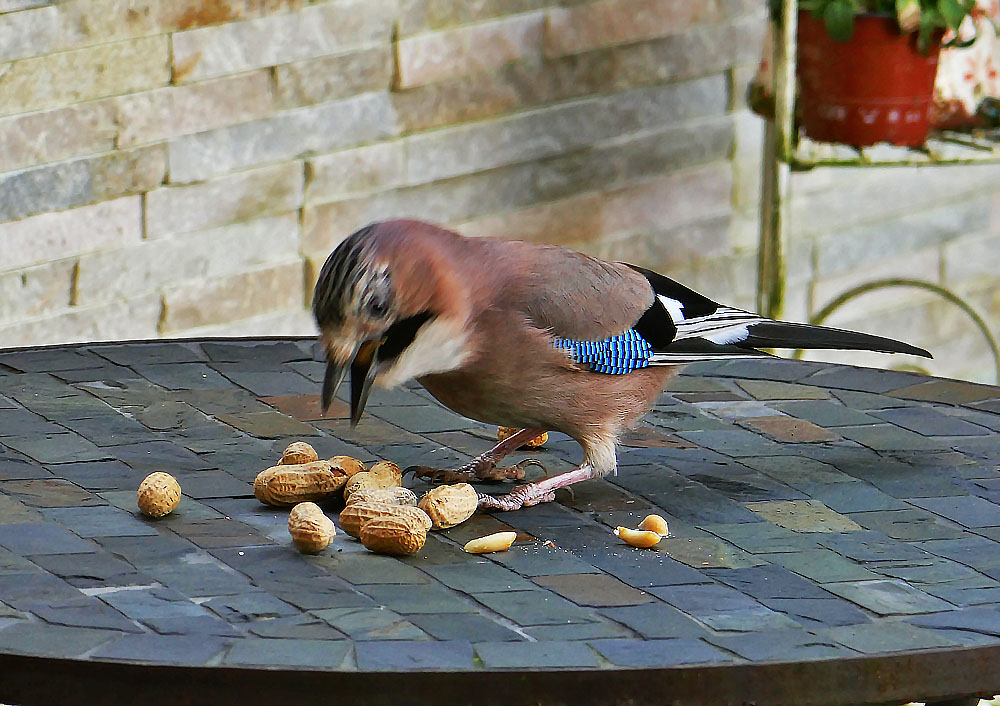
[377, 307]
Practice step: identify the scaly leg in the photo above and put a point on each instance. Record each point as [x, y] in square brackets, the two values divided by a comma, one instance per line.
[484, 467]
[542, 491]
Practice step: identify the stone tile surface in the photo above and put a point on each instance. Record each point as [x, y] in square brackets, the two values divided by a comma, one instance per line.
[816, 512]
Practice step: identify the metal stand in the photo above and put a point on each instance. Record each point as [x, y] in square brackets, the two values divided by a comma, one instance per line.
[783, 153]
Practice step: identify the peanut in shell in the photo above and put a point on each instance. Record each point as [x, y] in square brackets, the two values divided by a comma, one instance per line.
[158, 495]
[354, 517]
[298, 452]
[393, 534]
[393, 496]
[450, 505]
[311, 530]
[284, 485]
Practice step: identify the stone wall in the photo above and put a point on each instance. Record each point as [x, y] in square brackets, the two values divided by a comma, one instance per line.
[183, 167]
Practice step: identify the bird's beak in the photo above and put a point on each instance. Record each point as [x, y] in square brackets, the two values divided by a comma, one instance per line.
[335, 373]
[363, 371]
[363, 364]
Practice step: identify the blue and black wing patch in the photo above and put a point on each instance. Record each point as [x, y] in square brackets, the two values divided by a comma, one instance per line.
[617, 355]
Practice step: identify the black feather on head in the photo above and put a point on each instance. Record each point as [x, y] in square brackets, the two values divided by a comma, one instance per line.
[349, 281]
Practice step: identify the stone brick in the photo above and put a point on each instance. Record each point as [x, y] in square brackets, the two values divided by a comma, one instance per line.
[924, 264]
[557, 129]
[318, 30]
[63, 234]
[285, 136]
[179, 110]
[662, 249]
[35, 291]
[30, 33]
[516, 186]
[348, 172]
[211, 302]
[15, 5]
[76, 183]
[971, 256]
[296, 321]
[240, 197]
[423, 15]
[333, 77]
[429, 57]
[706, 50]
[124, 19]
[121, 320]
[676, 199]
[573, 219]
[789, 429]
[843, 201]
[853, 248]
[609, 22]
[49, 136]
[152, 264]
[85, 74]
[595, 218]
[803, 516]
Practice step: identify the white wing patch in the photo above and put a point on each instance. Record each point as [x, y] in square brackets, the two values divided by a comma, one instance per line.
[726, 325]
[673, 307]
[729, 335]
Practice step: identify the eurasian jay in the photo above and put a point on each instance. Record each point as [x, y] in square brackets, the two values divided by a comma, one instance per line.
[535, 337]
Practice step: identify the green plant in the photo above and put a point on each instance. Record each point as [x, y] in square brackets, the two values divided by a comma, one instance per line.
[929, 18]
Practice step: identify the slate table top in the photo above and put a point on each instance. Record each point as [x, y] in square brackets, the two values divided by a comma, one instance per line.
[819, 514]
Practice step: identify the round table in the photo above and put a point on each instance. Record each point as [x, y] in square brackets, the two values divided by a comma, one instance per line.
[835, 539]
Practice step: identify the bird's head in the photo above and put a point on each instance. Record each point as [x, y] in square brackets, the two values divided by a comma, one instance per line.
[376, 291]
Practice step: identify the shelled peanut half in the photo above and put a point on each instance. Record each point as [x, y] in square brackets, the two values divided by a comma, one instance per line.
[652, 529]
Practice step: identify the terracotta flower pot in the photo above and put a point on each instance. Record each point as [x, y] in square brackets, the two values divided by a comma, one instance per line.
[876, 87]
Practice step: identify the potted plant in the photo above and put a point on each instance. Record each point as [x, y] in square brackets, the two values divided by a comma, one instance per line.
[866, 67]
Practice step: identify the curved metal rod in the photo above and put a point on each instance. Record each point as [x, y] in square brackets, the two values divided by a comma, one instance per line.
[820, 316]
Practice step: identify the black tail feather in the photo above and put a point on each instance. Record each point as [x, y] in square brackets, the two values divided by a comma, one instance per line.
[779, 334]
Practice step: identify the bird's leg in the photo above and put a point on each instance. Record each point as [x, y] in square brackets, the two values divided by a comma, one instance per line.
[542, 491]
[484, 467]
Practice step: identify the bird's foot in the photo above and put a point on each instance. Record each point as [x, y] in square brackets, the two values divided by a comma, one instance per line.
[540, 491]
[482, 469]
[522, 496]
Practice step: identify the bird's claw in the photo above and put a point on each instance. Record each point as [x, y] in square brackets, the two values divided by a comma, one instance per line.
[440, 475]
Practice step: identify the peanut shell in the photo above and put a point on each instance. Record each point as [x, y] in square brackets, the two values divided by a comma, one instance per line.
[158, 494]
[450, 505]
[348, 465]
[393, 496]
[356, 515]
[311, 530]
[383, 478]
[298, 452]
[393, 534]
[387, 469]
[507, 432]
[288, 485]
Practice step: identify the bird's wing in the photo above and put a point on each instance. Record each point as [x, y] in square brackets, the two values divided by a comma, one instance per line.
[684, 326]
[570, 294]
[616, 318]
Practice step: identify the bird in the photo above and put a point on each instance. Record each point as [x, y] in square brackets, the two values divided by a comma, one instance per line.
[532, 336]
